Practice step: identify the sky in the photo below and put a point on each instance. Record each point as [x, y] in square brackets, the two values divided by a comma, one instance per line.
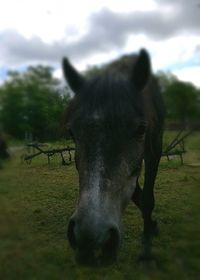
[93, 32]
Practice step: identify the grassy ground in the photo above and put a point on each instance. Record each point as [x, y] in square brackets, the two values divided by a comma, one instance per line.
[37, 200]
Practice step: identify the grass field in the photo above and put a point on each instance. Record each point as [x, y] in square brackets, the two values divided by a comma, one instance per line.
[37, 200]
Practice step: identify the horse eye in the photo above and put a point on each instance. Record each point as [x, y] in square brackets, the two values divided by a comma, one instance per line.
[141, 129]
[135, 171]
[71, 133]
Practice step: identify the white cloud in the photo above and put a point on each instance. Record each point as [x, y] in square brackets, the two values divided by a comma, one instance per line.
[52, 19]
[94, 32]
[58, 73]
[190, 74]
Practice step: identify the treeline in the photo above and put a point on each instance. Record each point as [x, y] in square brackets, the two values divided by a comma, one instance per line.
[182, 101]
[32, 103]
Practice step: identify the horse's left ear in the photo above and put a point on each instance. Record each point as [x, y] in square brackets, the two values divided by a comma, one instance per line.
[73, 77]
[141, 71]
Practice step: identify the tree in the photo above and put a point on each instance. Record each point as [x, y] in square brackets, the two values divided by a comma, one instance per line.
[31, 103]
[182, 99]
[165, 79]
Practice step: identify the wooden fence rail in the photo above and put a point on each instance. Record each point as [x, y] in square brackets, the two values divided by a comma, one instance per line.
[177, 146]
[49, 153]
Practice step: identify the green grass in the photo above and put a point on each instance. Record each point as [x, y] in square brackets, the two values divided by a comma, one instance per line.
[37, 200]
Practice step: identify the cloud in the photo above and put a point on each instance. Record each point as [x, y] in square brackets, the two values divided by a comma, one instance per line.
[169, 19]
[197, 50]
[190, 74]
[107, 31]
[16, 49]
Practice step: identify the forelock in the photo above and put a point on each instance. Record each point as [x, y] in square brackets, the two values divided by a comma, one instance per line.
[109, 97]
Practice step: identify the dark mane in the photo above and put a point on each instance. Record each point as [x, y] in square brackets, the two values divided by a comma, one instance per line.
[109, 96]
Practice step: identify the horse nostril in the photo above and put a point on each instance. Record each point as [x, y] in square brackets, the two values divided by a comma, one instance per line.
[71, 234]
[112, 241]
[89, 242]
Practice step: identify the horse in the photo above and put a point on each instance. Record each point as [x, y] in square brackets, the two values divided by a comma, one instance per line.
[116, 121]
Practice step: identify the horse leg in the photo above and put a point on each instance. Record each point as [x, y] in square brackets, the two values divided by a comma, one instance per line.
[152, 158]
[145, 201]
[144, 198]
[148, 200]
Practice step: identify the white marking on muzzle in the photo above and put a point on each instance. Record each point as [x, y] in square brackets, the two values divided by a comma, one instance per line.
[92, 194]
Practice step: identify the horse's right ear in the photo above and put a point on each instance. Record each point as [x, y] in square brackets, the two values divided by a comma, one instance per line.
[142, 70]
[72, 76]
